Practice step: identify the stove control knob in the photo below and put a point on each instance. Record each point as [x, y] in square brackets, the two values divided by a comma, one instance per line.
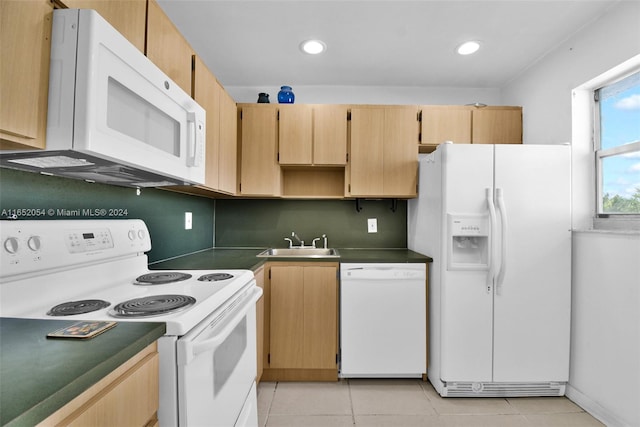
[34, 243]
[132, 234]
[141, 234]
[11, 245]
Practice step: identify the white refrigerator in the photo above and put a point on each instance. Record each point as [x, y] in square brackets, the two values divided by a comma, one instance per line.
[496, 220]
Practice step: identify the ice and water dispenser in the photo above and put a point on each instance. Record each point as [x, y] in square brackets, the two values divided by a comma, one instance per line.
[468, 242]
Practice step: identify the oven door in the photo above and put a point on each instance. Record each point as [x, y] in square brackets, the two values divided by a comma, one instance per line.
[217, 365]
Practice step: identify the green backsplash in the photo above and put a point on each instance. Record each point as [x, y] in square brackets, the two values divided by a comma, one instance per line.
[61, 198]
[260, 223]
[238, 222]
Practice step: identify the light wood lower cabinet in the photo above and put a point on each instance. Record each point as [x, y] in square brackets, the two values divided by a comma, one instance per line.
[259, 275]
[301, 343]
[128, 396]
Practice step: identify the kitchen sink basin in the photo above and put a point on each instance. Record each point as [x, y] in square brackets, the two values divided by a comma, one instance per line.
[299, 252]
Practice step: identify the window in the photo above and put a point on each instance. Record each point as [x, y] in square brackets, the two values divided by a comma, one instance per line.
[617, 134]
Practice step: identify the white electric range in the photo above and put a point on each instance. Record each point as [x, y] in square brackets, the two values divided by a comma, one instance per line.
[98, 270]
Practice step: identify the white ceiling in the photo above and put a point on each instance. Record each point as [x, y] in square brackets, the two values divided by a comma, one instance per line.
[377, 43]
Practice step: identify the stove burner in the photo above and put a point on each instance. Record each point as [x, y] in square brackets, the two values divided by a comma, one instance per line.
[161, 278]
[78, 307]
[154, 305]
[214, 277]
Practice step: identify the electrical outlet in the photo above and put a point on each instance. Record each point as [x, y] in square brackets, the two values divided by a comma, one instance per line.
[188, 221]
[372, 225]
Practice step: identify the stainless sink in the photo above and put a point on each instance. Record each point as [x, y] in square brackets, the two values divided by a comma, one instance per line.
[298, 252]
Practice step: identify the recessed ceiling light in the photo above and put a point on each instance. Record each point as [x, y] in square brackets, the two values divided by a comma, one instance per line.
[468, 48]
[313, 47]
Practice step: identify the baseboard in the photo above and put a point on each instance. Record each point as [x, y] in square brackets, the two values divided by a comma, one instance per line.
[593, 408]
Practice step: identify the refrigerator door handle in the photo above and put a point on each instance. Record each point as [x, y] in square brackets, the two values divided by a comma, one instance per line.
[502, 209]
[492, 219]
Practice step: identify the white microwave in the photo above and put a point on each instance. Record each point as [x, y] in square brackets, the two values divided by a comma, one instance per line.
[113, 117]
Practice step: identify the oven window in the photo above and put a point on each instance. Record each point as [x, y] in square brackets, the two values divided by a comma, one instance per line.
[228, 354]
[133, 116]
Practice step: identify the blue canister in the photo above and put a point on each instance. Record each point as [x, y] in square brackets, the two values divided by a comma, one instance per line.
[286, 96]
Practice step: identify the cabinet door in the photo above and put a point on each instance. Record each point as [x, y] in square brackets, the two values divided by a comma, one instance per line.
[287, 317]
[228, 155]
[366, 161]
[400, 152]
[445, 123]
[167, 48]
[259, 275]
[384, 151]
[295, 124]
[129, 17]
[497, 125]
[260, 171]
[320, 317]
[206, 92]
[330, 134]
[25, 46]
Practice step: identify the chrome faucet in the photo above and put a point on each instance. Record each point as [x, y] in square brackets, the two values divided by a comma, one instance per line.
[290, 242]
[295, 236]
[324, 238]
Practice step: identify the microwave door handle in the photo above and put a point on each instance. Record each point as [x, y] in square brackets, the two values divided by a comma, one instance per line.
[194, 348]
[194, 141]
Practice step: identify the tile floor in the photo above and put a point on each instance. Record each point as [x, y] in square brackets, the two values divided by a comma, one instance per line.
[404, 403]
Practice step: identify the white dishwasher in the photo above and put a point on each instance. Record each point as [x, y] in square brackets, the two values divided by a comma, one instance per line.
[383, 320]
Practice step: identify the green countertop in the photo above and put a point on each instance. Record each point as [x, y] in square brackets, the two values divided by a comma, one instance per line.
[245, 258]
[39, 375]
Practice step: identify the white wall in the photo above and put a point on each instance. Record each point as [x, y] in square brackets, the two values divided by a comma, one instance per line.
[544, 90]
[605, 347]
[372, 95]
[605, 339]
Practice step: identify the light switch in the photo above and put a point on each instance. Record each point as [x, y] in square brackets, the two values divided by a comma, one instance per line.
[372, 225]
[188, 221]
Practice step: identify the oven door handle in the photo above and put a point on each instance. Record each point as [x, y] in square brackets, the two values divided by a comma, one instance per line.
[191, 349]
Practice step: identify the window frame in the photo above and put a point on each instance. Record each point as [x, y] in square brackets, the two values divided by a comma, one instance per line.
[612, 220]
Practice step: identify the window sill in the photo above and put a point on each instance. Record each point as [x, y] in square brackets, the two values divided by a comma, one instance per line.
[630, 226]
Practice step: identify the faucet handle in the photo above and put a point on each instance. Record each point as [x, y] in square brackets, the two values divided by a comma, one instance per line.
[290, 242]
[314, 242]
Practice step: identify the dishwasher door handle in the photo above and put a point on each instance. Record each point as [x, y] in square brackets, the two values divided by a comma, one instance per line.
[373, 274]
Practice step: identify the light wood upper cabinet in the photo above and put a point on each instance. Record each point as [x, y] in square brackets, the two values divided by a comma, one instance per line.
[25, 46]
[295, 133]
[260, 173]
[497, 125]
[446, 123]
[303, 319]
[465, 124]
[129, 17]
[330, 134]
[228, 150]
[383, 160]
[206, 92]
[312, 134]
[167, 48]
